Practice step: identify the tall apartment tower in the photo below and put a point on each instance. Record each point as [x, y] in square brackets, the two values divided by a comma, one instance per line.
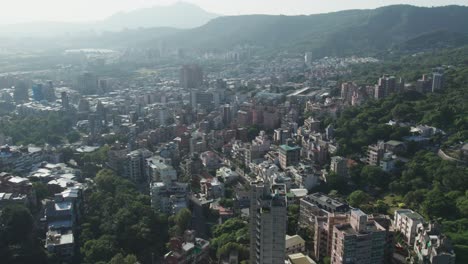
[65, 100]
[308, 58]
[347, 91]
[191, 76]
[424, 85]
[87, 83]
[21, 93]
[268, 218]
[386, 86]
[49, 91]
[359, 241]
[339, 165]
[437, 79]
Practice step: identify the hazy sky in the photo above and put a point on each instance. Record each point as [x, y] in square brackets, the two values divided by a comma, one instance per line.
[14, 11]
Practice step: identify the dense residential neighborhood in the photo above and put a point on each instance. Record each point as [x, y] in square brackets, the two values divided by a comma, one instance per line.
[177, 155]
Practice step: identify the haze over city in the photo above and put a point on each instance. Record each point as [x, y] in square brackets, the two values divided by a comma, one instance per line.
[19, 11]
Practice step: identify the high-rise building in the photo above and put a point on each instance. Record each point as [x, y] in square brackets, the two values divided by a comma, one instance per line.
[359, 241]
[339, 165]
[386, 86]
[65, 101]
[21, 93]
[191, 76]
[437, 81]
[324, 223]
[48, 91]
[87, 83]
[424, 85]
[203, 99]
[103, 86]
[83, 105]
[308, 58]
[281, 135]
[95, 125]
[37, 92]
[227, 114]
[289, 154]
[136, 164]
[347, 91]
[267, 223]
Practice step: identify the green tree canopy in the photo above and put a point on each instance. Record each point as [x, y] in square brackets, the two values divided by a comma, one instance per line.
[358, 198]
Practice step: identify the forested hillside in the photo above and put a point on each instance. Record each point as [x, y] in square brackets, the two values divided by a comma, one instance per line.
[434, 187]
[339, 33]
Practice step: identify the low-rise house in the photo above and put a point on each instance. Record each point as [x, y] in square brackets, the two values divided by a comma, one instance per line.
[212, 188]
[60, 244]
[395, 146]
[7, 199]
[17, 189]
[294, 244]
[432, 247]
[169, 198]
[210, 160]
[187, 250]
[227, 174]
[299, 258]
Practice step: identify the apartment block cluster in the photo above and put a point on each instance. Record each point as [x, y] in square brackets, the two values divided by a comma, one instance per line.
[348, 235]
[23, 158]
[384, 154]
[428, 243]
[16, 190]
[353, 94]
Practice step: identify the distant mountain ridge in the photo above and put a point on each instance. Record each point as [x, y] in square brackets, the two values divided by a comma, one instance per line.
[338, 33]
[179, 15]
[369, 32]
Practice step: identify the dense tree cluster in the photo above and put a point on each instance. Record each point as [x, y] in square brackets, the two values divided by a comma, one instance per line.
[53, 129]
[18, 238]
[180, 222]
[231, 235]
[120, 224]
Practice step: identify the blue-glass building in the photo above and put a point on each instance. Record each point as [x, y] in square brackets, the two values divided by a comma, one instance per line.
[38, 92]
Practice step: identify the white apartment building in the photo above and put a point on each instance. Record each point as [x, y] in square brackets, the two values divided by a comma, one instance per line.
[406, 222]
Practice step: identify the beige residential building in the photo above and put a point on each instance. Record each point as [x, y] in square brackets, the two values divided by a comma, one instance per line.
[406, 221]
[323, 233]
[359, 241]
